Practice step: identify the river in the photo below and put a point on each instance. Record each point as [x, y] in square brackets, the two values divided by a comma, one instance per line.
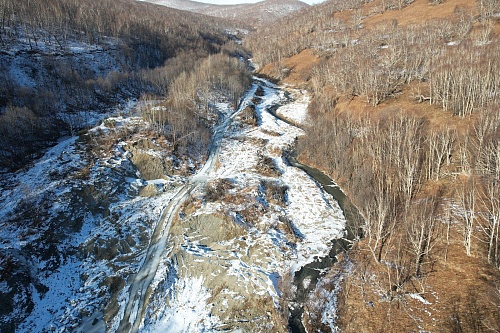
[313, 271]
[139, 292]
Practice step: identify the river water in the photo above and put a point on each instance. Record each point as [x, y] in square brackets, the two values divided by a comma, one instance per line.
[138, 297]
[314, 270]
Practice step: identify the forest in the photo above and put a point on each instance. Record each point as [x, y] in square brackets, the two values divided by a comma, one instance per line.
[404, 115]
[145, 48]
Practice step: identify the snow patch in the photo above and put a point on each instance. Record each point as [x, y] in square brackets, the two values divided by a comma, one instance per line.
[187, 311]
[419, 298]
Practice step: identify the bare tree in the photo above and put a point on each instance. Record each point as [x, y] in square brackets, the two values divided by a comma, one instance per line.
[440, 146]
[422, 230]
[467, 201]
[490, 199]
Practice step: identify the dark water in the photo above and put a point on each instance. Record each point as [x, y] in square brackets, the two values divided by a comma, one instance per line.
[313, 271]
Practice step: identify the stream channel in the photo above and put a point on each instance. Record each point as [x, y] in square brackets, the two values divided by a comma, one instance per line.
[314, 270]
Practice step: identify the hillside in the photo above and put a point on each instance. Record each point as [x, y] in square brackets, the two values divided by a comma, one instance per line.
[150, 182]
[404, 115]
[187, 5]
[259, 13]
[252, 14]
[97, 98]
[62, 72]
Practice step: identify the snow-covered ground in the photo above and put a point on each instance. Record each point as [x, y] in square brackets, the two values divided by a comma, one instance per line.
[252, 259]
[175, 261]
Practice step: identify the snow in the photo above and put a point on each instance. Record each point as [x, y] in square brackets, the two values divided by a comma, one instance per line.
[188, 310]
[314, 213]
[419, 298]
[30, 184]
[296, 112]
[315, 216]
[181, 302]
[257, 260]
[62, 284]
[4, 287]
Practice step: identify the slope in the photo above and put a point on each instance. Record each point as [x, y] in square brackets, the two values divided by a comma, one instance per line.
[391, 121]
[251, 14]
[65, 181]
[65, 64]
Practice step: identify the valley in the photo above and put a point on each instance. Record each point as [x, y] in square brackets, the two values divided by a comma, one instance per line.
[237, 247]
[175, 166]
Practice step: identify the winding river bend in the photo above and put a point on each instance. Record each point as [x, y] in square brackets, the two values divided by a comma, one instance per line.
[139, 290]
[313, 270]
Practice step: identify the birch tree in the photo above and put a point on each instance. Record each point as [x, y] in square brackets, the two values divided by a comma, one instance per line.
[490, 198]
[467, 200]
[422, 230]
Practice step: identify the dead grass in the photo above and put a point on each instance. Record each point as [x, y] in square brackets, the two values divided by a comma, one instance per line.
[266, 166]
[275, 192]
[457, 286]
[83, 173]
[190, 206]
[463, 291]
[271, 133]
[218, 189]
[418, 12]
[297, 68]
[249, 116]
[252, 214]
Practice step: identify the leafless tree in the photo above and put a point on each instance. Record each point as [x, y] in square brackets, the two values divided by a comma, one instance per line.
[440, 144]
[490, 199]
[422, 231]
[467, 200]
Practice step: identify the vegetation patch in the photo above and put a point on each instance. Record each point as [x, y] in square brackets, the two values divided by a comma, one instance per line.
[217, 190]
[404, 115]
[266, 166]
[274, 191]
[249, 116]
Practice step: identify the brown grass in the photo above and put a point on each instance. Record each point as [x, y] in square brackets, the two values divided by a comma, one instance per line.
[418, 12]
[298, 67]
[463, 291]
[458, 286]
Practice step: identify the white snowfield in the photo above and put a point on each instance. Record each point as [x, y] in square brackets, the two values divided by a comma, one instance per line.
[170, 283]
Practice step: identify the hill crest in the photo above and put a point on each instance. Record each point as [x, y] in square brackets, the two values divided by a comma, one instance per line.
[253, 14]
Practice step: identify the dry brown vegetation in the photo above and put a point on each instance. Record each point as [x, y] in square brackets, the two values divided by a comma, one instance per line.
[266, 166]
[405, 116]
[274, 191]
[217, 189]
[249, 116]
[188, 111]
